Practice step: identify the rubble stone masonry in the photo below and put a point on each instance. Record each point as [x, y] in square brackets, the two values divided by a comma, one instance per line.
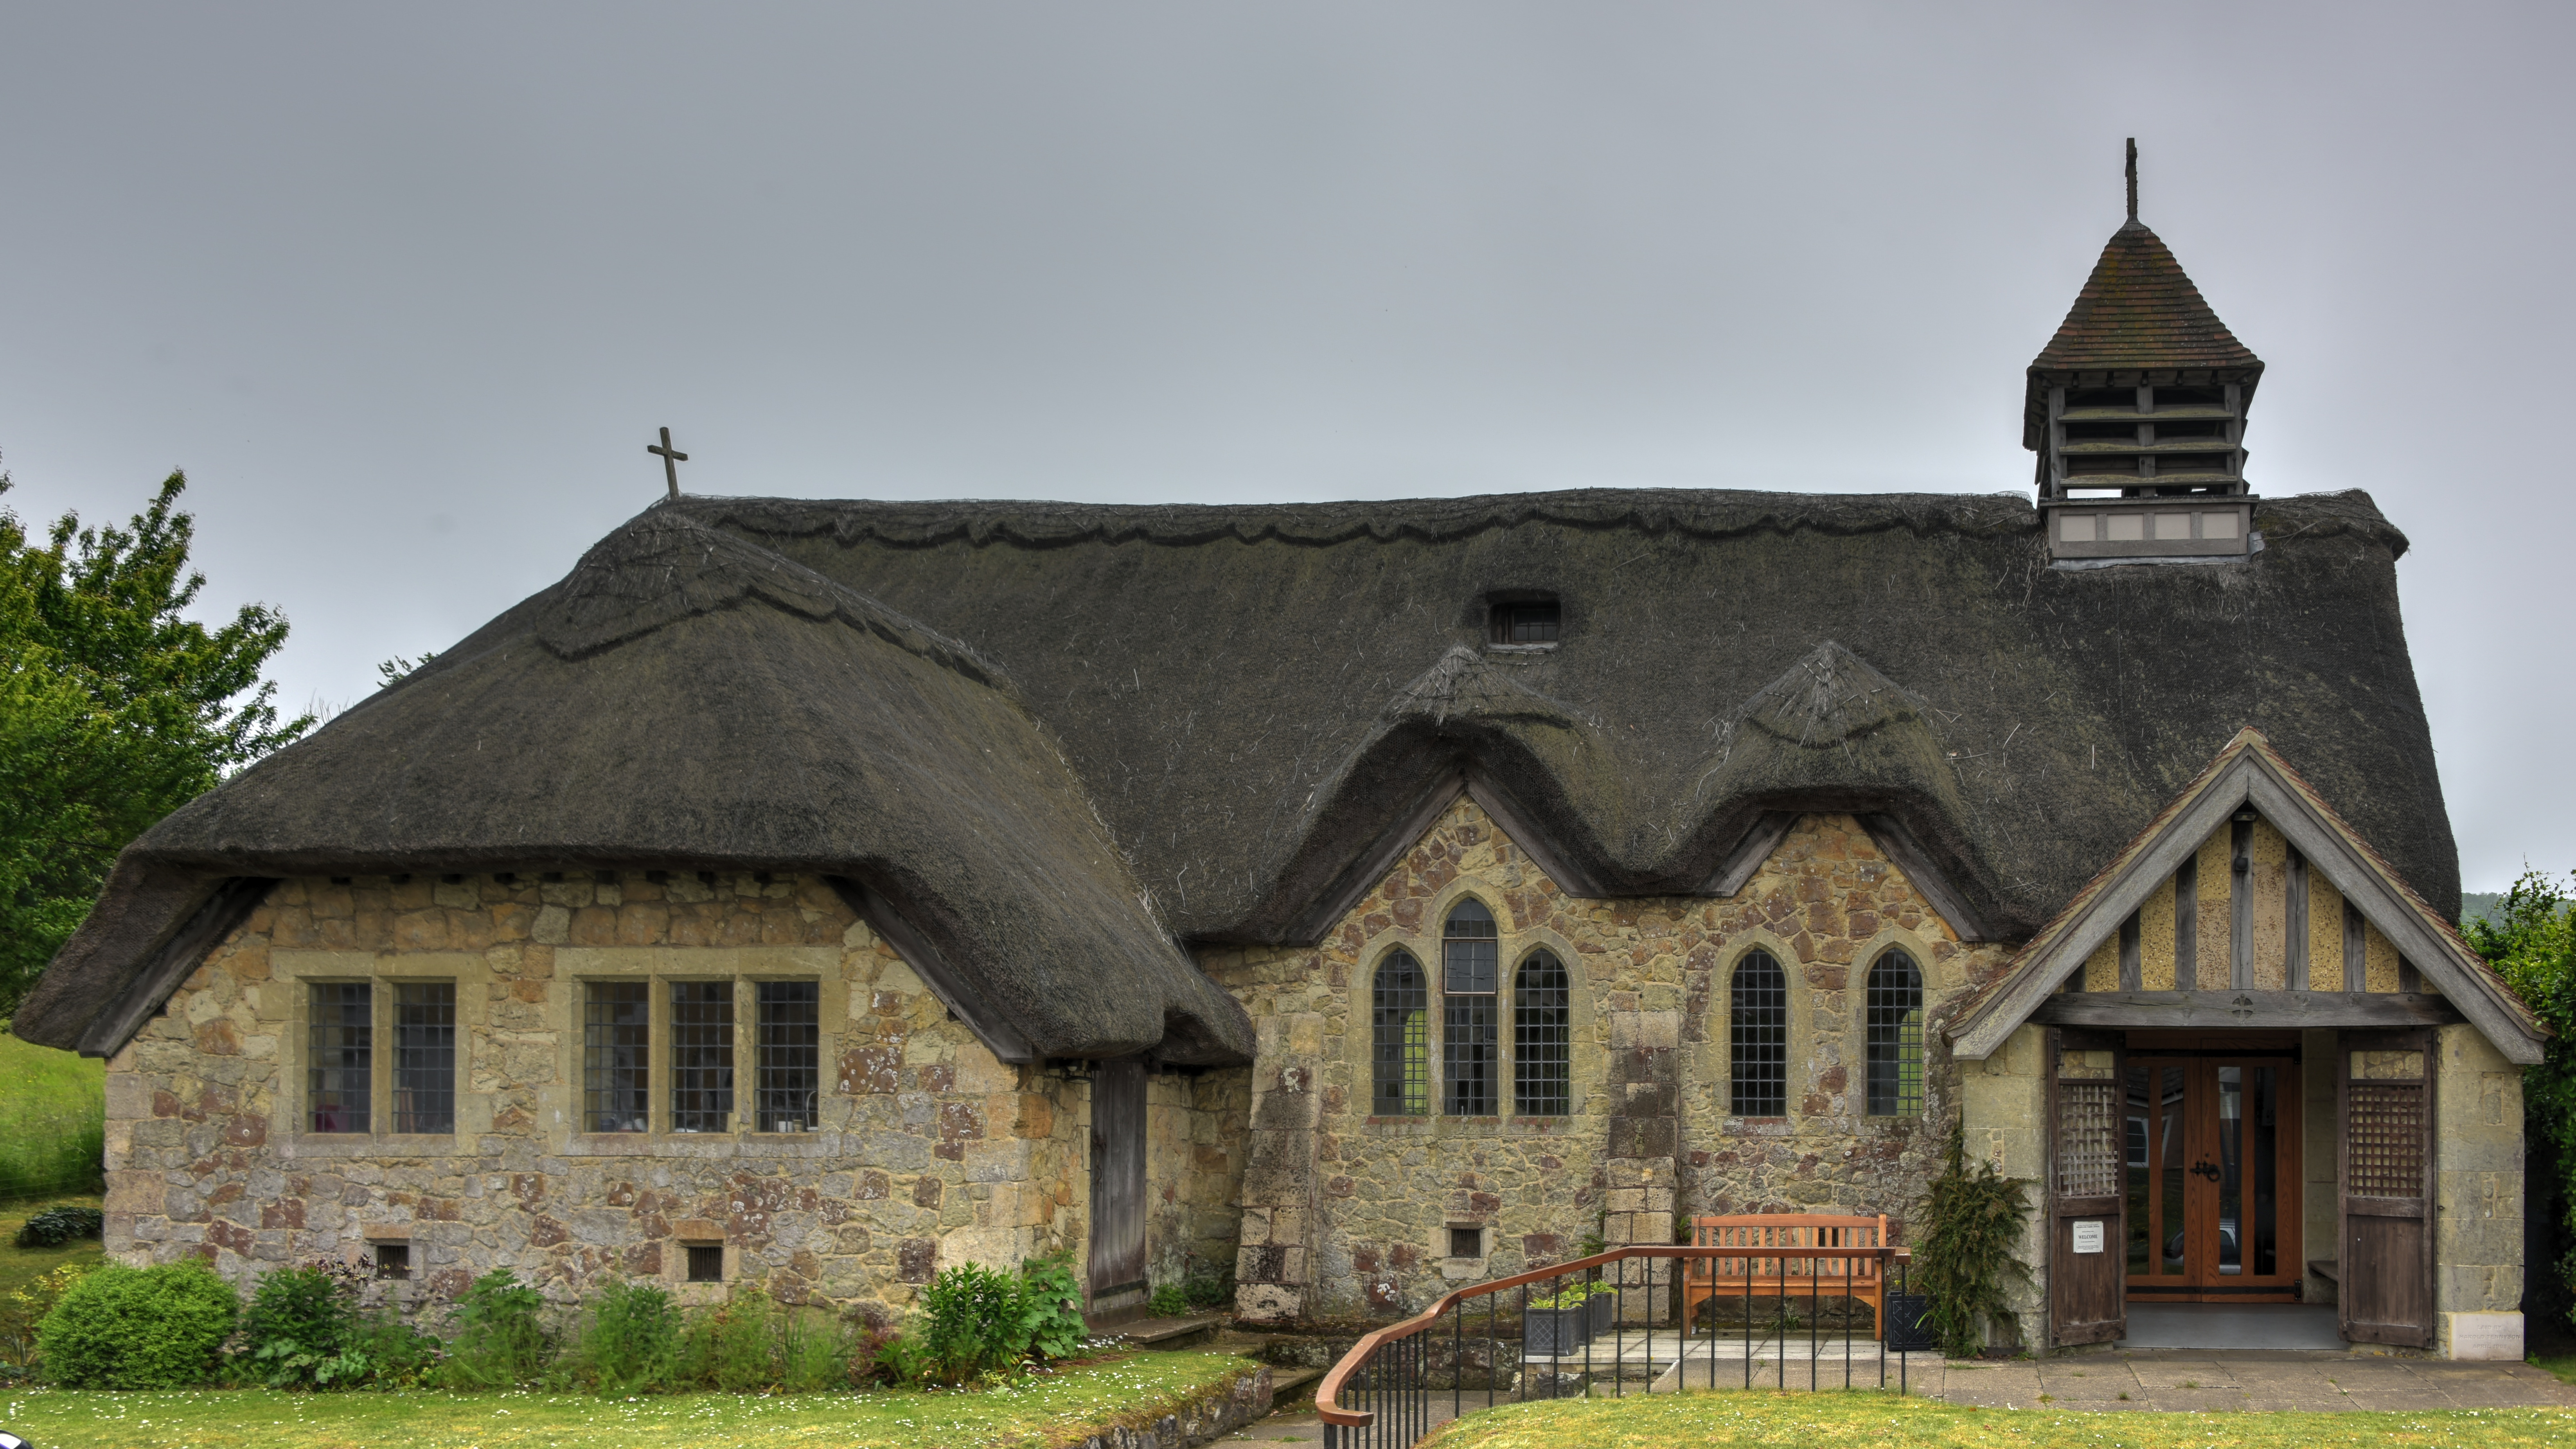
[1347, 1214]
[927, 1149]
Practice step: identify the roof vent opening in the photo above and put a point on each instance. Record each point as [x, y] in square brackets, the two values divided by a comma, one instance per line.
[1524, 622]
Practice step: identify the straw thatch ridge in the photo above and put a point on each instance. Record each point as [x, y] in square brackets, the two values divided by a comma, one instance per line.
[685, 701]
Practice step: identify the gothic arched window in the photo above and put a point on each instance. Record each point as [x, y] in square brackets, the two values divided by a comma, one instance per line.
[1470, 960]
[1542, 1036]
[1895, 1029]
[1400, 1084]
[1757, 1038]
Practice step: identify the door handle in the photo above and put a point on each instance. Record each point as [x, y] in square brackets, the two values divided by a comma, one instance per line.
[2207, 1169]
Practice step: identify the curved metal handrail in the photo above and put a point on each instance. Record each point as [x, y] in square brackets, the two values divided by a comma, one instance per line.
[1328, 1392]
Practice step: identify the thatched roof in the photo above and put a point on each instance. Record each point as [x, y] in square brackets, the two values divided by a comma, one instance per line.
[1256, 695]
[685, 699]
[1258, 700]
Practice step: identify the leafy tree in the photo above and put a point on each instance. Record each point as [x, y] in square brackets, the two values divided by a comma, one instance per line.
[114, 709]
[2530, 936]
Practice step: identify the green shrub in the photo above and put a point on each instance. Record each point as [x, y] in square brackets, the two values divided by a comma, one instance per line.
[22, 1310]
[1197, 1291]
[138, 1328]
[501, 1340]
[816, 1354]
[1051, 1308]
[630, 1341]
[732, 1347]
[396, 1354]
[1972, 1228]
[977, 1322]
[298, 1326]
[59, 1225]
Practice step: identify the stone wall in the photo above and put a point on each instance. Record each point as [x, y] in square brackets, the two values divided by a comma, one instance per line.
[1194, 1171]
[1347, 1214]
[927, 1151]
[2005, 1100]
[2478, 1200]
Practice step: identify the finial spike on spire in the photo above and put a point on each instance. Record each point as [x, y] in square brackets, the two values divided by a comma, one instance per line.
[2133, 178]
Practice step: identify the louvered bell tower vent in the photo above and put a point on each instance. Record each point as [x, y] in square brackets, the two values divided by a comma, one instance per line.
[2137, 411]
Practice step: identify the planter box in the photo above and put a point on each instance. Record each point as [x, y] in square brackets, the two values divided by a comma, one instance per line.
[1605, 1311]
[1554, 1332]
[1906, 1330]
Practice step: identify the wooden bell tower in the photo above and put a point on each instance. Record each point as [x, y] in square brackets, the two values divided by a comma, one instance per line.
[2137, 408]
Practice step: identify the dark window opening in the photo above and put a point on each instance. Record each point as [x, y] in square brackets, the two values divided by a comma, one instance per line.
[338, 1080]
[616, 1053]
[2101, 432]
[706, 1262]
[1529, 623]
[1470, 959]
[2190, 397]
[701, 1056]
[2102, 397]
[1400, 1031]
[1466, 1242]
[1895, 1037]
[1757, 1041]
[1542, 1038]
[425, 1056]
[393, 1260]
[2179, 432]
[790, 1062]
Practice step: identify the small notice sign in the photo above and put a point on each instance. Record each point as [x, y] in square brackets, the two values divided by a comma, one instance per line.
[2088, 1236]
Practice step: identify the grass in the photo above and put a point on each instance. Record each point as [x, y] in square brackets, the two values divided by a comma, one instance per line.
[1038, 1412]
[53, 1120]
[1740, 1420]
[19, 1266]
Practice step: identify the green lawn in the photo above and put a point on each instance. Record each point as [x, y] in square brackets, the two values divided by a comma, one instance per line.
[53, 1120]
[1741, 1420]
[1038, 1412]
[19, 1266]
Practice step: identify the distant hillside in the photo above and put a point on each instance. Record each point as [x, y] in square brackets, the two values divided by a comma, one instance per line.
[2479, 906]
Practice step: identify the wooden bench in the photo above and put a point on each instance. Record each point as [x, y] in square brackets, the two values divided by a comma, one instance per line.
[1754, 1275]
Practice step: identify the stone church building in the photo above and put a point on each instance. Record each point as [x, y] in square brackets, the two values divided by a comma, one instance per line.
[1367, 897]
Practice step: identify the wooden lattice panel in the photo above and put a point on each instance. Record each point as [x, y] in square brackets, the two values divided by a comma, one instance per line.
[2385, 1138]
[2088, 1139]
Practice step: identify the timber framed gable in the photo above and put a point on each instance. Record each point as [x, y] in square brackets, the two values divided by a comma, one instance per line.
[2212, 822]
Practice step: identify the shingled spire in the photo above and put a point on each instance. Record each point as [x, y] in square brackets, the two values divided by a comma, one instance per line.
[2142, 394]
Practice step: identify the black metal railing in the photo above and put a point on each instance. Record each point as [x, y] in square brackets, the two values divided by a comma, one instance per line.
[1385, 1393]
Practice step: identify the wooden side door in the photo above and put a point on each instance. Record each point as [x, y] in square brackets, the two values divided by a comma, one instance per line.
[1115, 1272]
[2086, 1121]
[2384, 1082]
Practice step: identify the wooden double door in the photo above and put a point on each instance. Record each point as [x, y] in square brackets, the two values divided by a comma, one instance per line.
[2211, 1177]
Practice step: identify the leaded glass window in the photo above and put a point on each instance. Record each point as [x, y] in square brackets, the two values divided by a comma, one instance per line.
[701, 1056]
[1895, 1037]
[343, 1056]
[1542, 1034]
[790, 1046]
[425, 1056]
[616, 1055]
[1470, 961]
[1757, 1038]
[1400, 1069]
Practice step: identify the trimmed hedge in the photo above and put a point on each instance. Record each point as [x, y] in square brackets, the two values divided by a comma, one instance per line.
[139, 1328]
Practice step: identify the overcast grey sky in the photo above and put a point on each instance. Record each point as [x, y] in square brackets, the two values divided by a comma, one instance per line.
[406, 289]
